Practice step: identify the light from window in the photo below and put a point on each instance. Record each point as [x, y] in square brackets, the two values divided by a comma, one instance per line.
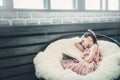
[63, 4]
[113, 4]
[1, 2]
[92, 4]
[28, 4]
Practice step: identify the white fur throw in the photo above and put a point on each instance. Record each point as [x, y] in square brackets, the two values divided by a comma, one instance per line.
[48, 66]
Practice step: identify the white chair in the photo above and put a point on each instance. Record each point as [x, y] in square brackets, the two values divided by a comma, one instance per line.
[48, 66]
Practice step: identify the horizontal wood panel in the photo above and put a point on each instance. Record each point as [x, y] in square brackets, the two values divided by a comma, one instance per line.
[27, 76]
[31, 40]
[25, 40]
[27, 50]
[15, 61]
[101, 38]
[9, 72]
[119, 35]
[107, 32]
[18, 41]
[43, 29]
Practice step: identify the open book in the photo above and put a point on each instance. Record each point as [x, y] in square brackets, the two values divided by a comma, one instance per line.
[72, 55]
[67, 56]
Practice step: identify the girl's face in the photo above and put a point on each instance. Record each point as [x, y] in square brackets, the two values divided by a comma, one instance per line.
[87, 41]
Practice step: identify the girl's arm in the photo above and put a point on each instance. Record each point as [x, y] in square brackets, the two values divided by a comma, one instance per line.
[79, 46]
[93, 51]
[73, 54]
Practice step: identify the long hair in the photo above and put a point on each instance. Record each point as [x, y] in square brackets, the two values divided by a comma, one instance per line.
[91, 34]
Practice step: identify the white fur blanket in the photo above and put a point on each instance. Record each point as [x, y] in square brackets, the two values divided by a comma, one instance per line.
[48, 66]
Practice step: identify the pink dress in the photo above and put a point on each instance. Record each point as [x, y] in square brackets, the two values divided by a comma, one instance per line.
[80, 66]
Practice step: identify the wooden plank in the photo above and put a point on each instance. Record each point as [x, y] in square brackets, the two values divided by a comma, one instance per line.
[27, 76]
[31, 40]
[26, 50]
[107, 32]
[43, 29]
[9, 72]
[16, 61]
[100, 38]
[118, 35]
[18, 41]
[25, 40]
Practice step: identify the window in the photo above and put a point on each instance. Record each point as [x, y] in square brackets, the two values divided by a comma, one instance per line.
[63, 4]
[102, 4]
[2, 3]
[92, 4]
[113, 4]
[60, 5]
[29, 4]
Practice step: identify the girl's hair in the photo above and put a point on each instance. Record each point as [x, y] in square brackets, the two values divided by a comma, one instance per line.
[91, 34]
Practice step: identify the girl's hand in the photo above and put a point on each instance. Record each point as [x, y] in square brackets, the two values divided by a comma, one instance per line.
[93, 51]
[87, 60]
[82, 56]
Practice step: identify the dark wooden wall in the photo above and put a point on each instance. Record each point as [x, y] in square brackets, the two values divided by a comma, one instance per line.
[20, 44]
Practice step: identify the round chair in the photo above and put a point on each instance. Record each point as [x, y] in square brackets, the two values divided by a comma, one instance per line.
[48, 62]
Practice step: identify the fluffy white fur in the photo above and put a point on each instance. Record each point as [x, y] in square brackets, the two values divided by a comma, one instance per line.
[48, 66]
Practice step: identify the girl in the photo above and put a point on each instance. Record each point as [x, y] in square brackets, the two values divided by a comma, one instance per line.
[90, 57]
